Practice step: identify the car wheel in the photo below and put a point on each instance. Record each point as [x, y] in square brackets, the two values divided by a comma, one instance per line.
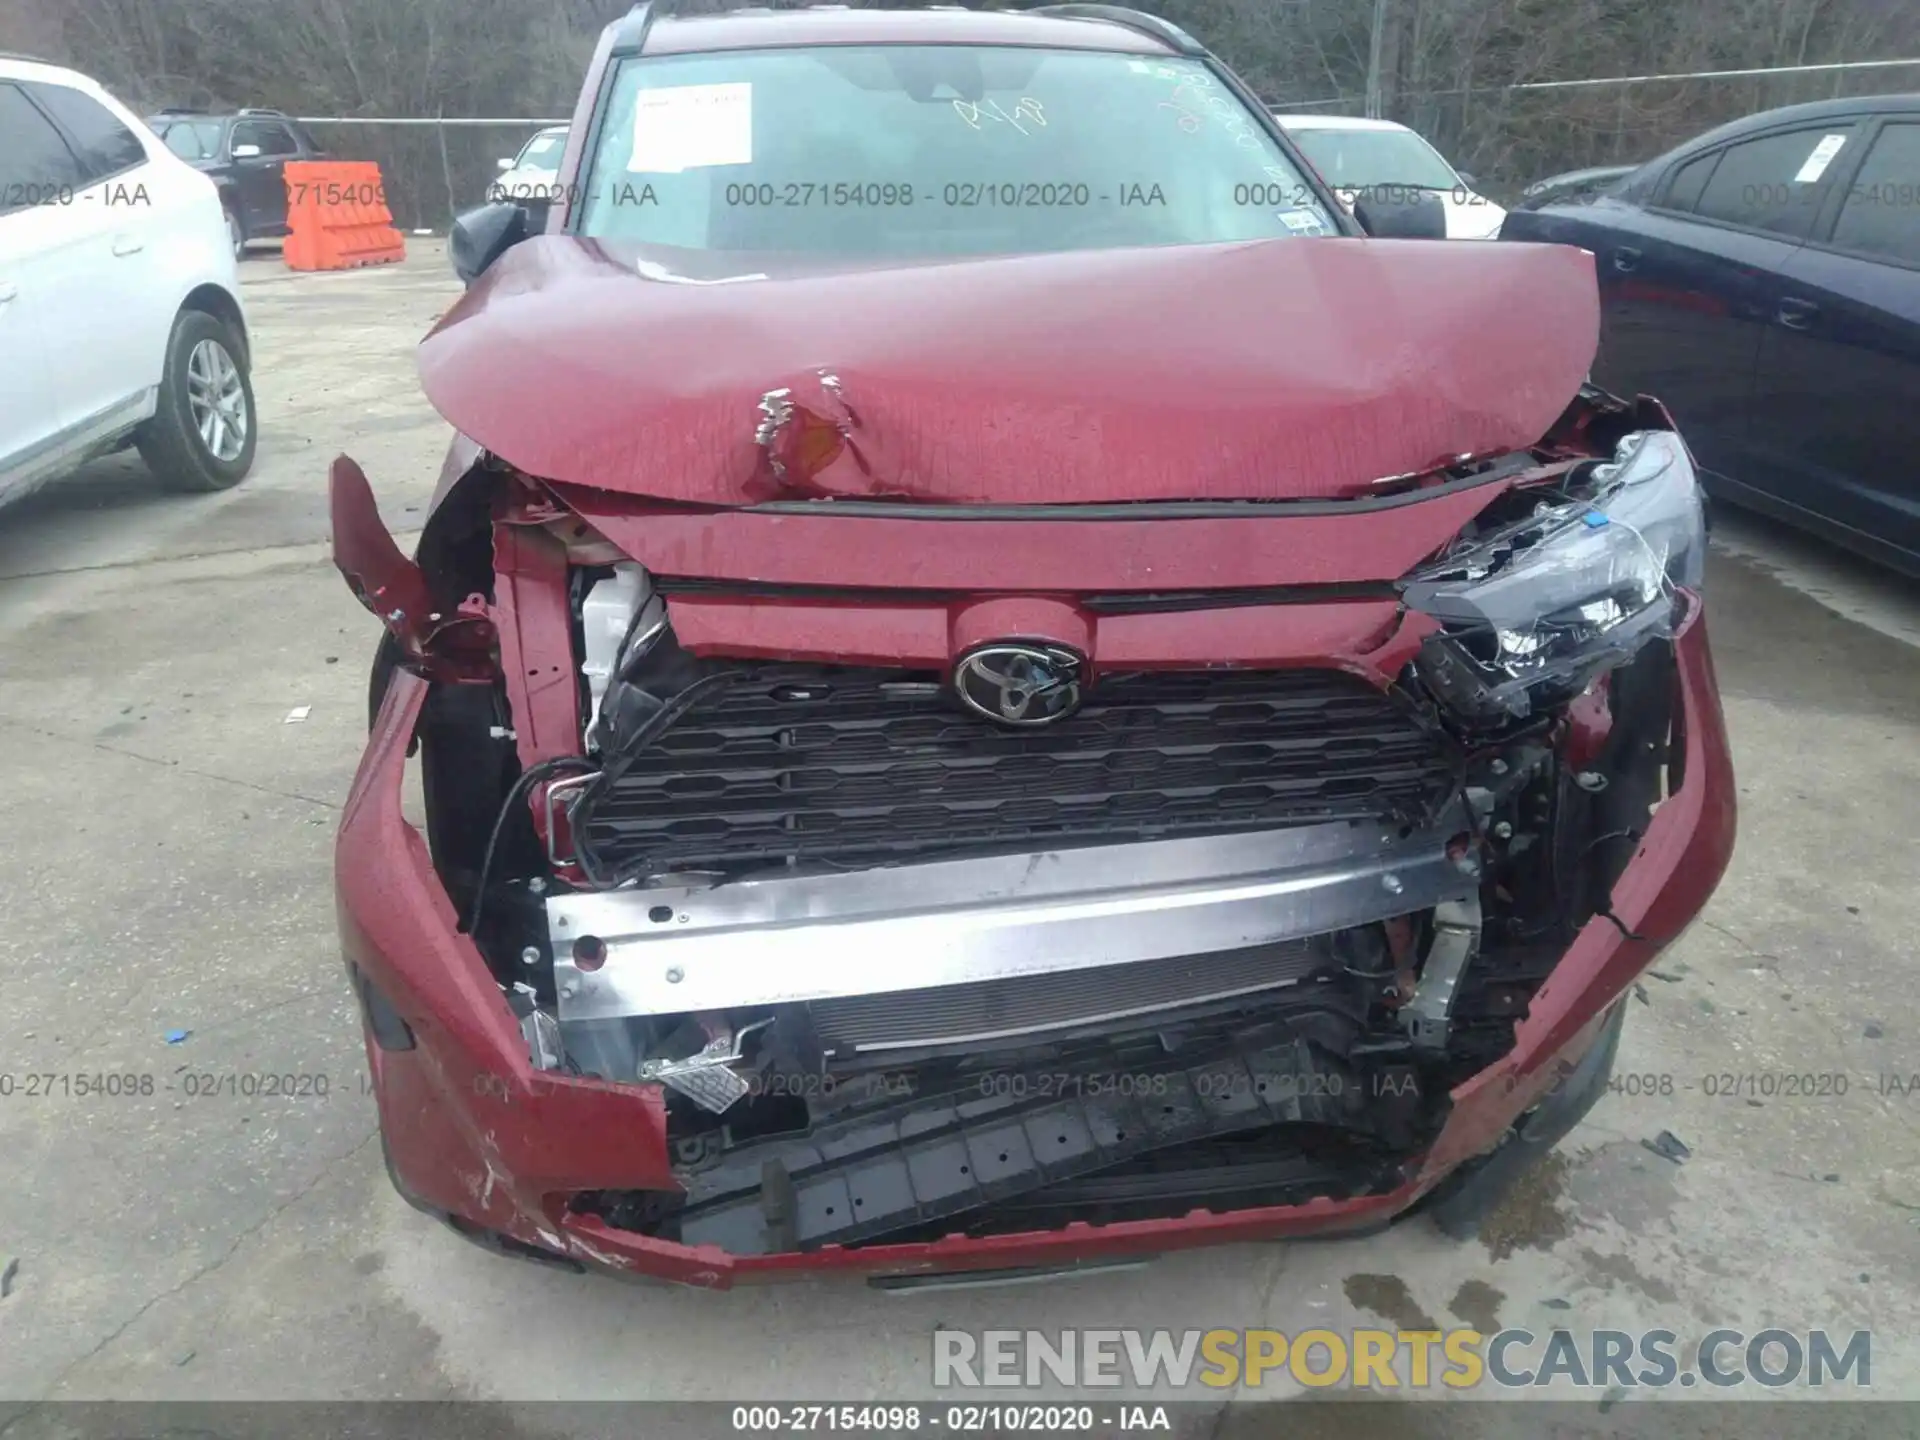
[236, 234]
[202, 434]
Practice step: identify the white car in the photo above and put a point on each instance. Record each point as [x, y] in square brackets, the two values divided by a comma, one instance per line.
[120, 313]
[534, 173]
[1357, 156]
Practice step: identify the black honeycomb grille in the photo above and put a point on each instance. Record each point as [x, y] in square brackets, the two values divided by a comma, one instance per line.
[856, 767]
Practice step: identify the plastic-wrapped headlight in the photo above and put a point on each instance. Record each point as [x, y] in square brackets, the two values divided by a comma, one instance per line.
[1532, 612]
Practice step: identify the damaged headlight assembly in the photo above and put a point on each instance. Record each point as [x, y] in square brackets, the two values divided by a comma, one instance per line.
[1533, 611]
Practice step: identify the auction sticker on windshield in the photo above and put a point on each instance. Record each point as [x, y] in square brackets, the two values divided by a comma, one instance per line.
[1302, 221]
[690, 127]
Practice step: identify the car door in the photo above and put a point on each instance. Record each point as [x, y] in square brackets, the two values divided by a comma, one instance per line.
[105, 353]
[1836, 419]
[37, 170]
[262, 175]
[1674, 322]
[1686, 301]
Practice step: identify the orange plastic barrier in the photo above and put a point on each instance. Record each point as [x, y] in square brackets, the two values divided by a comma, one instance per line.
[337, 216]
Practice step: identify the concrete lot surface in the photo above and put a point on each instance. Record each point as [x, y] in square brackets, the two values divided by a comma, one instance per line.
[165, 837]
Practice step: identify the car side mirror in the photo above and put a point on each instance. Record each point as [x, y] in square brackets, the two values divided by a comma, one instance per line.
[1465, 178]
[505, 162]
[1409, 215]
[482, 235]
[245, 152]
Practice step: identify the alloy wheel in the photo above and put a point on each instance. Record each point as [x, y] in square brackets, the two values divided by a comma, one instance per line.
[217, 400]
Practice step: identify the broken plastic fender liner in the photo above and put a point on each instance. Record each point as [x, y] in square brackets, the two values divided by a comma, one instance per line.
[1271, 369]
[447, 640]
[380, 576]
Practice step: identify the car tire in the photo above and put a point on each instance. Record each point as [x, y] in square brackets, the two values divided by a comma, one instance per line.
[206, 372]
[236, 233]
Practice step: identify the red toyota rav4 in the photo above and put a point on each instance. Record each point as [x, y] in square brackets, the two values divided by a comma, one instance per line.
[999, 683]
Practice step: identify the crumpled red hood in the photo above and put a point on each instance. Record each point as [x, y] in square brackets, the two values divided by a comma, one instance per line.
[1274, 369]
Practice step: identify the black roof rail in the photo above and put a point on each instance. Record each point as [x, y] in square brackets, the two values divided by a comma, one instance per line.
[630, 30]
[1140, 21]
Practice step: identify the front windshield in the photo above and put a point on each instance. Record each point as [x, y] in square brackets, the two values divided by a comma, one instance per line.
[930, 150]
[543, 152]
[1370, 159]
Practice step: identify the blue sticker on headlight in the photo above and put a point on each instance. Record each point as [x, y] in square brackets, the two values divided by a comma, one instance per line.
[1595, 519]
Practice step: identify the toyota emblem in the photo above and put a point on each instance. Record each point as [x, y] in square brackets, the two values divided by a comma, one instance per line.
[1019, 684]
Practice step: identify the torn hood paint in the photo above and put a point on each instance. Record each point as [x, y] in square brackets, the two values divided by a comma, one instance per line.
[1274, 369]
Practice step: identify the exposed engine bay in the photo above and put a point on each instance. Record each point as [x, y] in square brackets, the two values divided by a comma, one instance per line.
[913, 951]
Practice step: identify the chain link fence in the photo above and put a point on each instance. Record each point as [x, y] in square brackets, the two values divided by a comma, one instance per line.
[1506, 136]
[433, 169]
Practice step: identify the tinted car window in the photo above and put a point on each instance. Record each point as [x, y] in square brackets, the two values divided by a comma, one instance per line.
[104, 146]
[1881, 214]
[1775, 183]
[36, 167]
[190, 139]
[1689, 181]
[272, 139]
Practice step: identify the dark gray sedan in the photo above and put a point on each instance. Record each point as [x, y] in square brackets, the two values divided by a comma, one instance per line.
[1764, 281]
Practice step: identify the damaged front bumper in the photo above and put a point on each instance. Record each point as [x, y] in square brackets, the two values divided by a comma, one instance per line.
[996, 1162]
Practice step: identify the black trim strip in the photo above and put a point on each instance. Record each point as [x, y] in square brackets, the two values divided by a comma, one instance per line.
[1503, 468]
[694, 585]
[1173, 601]
[1103, 603]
